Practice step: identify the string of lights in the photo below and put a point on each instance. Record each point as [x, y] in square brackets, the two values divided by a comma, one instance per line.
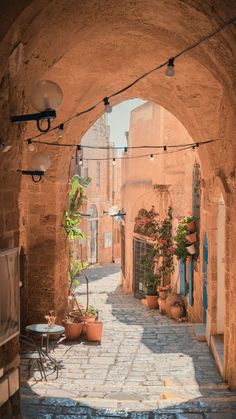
[123, 148]
[114, 159]
[169, 72]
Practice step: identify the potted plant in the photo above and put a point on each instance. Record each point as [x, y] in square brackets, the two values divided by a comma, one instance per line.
[85, 314]
[177, 310]
[151, 279]
[73, 328]
[189, 221]
[180, 242]
[164, 251]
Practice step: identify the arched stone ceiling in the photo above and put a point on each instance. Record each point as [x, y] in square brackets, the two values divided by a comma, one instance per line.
[94, 48]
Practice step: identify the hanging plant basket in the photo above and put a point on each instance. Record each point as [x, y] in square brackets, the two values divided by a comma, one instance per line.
[191, 238]
[191, 249]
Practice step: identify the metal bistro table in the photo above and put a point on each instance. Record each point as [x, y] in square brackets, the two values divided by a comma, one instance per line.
[44, 330]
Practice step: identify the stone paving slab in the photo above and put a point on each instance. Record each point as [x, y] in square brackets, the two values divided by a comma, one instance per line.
[147, 367]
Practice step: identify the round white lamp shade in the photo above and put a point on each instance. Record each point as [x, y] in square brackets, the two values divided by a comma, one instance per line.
[46, 94]
[40, 161]
[113, 210]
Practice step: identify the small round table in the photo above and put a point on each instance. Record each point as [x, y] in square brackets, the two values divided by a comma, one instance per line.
[45, 329]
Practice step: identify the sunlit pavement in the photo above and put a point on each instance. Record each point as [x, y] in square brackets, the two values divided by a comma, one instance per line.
[148, 366]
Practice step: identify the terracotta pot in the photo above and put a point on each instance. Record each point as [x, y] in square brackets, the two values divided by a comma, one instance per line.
[191, 226]
[163, 294]
[94, 331]
[152, 301]
[191, 238]
[73, 330]
[86, 318]
[170, 300]
[162, 305]
[191, 249]
[177, 312]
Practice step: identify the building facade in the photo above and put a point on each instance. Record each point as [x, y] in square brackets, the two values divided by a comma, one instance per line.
[95, 160]
[172, 178]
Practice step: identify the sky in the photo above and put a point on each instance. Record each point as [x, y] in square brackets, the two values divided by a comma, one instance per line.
[119, 120]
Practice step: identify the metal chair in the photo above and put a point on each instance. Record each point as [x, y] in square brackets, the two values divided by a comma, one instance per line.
[33, 353]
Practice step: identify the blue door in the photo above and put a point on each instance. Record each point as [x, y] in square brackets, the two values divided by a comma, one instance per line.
[204, 269]
[182, 273]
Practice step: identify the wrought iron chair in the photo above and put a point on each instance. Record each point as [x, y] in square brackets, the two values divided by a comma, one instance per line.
[29, 350]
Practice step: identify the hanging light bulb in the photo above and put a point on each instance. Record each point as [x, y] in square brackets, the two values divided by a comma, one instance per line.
[170, 71]
[165, 148]
[151, 157]
[80, 162]
[60, 130]
[31, 146]
[40, 161]
[108, 108]
[114, 162]
[126, 149]
[195, 146]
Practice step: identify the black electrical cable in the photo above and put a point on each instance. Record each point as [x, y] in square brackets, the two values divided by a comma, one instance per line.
[184, 51]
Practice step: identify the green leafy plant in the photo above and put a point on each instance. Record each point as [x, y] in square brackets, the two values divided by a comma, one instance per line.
[71, 320]
[71, 221]
[180, 238]
[159, 265]
[188, 219]
[72, 217]
[76, 267]
[150, 278]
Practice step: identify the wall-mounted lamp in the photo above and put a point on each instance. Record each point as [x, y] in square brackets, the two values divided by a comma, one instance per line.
[40, 163]
[46, 96]
[36, 175]
[114, 211]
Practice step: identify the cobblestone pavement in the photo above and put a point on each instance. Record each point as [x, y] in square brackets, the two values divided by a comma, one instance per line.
[147, 367]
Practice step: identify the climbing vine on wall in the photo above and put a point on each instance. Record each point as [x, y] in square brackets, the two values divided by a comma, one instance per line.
[148, 224]
[71, 222]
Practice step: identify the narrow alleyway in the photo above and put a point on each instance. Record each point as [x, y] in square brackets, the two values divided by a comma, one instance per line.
[147, 367]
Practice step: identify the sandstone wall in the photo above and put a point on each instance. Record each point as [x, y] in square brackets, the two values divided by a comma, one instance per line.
[93, 50]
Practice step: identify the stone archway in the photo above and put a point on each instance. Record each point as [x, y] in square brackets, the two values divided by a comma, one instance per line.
[59, 41]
